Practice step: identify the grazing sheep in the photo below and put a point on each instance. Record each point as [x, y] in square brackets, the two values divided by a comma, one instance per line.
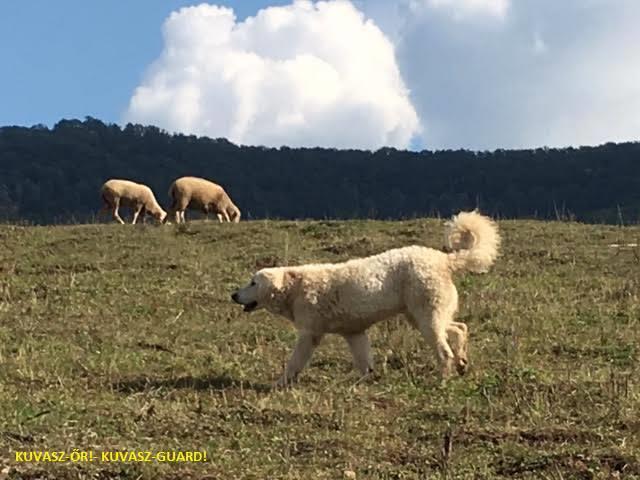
[117, 193]
[347, 298]
[198, 193]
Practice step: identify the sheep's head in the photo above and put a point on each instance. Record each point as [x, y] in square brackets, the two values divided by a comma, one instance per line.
[160, 215]
[235, 215]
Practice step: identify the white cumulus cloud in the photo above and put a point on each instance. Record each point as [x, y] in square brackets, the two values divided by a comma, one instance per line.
[305, 74]
[464, 8]
[486, 74]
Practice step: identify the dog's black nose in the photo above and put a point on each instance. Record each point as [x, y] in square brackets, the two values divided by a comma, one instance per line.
[234, 297]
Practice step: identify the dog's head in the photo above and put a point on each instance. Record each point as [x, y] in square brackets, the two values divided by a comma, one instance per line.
[270, 288]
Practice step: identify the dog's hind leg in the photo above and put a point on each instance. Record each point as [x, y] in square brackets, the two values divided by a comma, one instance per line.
[307, 343]
[457, 335]
[432, 327]
[461, 326]
[361, 352]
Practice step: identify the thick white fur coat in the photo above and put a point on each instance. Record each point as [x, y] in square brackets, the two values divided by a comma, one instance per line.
[347, 298]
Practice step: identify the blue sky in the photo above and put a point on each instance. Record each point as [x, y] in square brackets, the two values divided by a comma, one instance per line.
[478, 74]
[73, 58]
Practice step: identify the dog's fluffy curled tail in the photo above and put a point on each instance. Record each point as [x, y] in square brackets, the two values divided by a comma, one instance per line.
[473, 241]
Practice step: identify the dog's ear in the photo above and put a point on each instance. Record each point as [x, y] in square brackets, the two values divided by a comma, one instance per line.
[290, 279]
[288, 283]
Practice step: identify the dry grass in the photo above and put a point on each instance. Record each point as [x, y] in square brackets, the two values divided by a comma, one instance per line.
[119, 337]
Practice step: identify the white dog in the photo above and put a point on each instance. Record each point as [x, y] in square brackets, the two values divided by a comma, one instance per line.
[347, 298]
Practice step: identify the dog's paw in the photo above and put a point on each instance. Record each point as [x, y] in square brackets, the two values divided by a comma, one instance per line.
[279, 384]
[284, 382]
[462, 366]
[372, 375]
[366, 377]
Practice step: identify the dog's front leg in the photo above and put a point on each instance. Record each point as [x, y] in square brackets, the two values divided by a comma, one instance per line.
[307, 343]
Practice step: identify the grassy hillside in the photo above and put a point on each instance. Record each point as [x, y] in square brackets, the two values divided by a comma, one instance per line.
[124, 338]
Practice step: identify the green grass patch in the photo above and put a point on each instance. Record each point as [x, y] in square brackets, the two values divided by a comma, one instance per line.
[124, 338]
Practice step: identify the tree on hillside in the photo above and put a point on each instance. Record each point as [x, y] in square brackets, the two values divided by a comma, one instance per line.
[53, 174]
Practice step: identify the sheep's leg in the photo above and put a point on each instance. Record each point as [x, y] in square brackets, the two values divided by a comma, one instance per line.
[179, 215]
[103, 210]
[136, 213]
[220, 217]
[361, 352]
[226, 216]
[116, 215]
[307, 343]
[106, 206]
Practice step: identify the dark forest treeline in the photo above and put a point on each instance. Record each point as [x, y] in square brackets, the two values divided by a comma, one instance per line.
[51, 175]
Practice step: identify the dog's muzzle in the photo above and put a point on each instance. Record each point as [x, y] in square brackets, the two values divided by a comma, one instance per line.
[248, 307]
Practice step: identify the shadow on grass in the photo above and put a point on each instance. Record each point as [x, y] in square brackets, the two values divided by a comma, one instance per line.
[207, 382]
